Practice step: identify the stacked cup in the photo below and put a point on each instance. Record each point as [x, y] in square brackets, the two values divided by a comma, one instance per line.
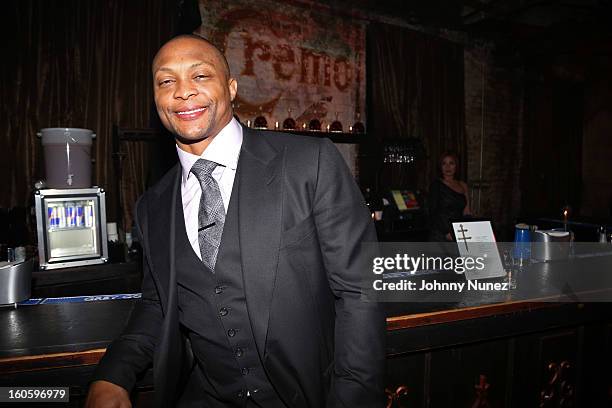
[522, 243]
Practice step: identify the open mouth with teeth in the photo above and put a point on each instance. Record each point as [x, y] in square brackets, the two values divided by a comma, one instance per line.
[190, 114]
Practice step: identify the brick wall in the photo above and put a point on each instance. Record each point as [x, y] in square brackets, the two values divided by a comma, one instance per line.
[493, 91]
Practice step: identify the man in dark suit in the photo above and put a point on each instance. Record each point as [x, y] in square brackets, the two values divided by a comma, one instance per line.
[253, 272]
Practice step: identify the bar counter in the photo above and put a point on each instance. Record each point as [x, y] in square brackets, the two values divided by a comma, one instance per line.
[506, 353]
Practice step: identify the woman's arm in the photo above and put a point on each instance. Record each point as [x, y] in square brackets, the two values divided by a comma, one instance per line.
[466, 192]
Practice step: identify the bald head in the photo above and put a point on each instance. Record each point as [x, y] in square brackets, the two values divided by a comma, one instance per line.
[197, 42]
[193, 91]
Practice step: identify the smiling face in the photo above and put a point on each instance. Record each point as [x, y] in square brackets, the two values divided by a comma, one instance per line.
[449, 167]
[193, 91]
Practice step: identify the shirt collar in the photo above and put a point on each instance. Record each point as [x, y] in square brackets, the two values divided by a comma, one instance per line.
[224, 150]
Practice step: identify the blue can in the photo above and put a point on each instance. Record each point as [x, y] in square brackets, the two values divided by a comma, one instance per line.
[52, 218]
[70, 215]
[522, 241]
[80, 215]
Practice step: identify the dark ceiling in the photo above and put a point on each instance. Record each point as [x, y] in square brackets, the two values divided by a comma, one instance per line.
[526, 27]
[541, 28]
[535, 13]
[462, 14]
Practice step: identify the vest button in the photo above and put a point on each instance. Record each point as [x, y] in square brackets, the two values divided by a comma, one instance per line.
[218, 290]
[239, 352]
[231, 332]
[244, 371]
[223, 311]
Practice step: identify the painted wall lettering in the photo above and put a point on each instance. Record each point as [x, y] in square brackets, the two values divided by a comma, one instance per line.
[289, 57]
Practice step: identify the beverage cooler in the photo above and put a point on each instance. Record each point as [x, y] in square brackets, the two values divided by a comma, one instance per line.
[71, 227]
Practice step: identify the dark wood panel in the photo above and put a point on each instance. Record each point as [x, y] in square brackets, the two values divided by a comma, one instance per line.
[455, 333]
[559, 363]
[597, 356]
[407, 380]
[443, 316]
[607, 375]
[483, 375]
[445, 369]
[554, 361]
[76, 378]
[47, 361]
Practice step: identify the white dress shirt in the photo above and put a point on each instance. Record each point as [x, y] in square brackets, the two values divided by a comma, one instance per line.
[224, 150]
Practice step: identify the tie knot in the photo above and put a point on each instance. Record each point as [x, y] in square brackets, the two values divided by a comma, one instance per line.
[203, 168]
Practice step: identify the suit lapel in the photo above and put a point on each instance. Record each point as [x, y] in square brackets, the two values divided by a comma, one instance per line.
[259, 217]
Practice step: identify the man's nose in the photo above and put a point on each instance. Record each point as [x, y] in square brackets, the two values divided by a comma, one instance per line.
[184, 90]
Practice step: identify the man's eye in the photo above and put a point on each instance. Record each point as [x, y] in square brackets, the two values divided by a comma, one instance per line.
[202, 76]
[165, 82]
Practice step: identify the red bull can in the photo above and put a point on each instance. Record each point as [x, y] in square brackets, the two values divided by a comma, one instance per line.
[52, 218]
[89, 216]
[61, 215]
[80, 215]
[70, 215]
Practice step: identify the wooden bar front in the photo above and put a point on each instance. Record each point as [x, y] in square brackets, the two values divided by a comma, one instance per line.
[510, 354]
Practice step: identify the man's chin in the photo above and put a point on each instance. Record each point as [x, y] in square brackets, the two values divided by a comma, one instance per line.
[189, 140]
[191, 136]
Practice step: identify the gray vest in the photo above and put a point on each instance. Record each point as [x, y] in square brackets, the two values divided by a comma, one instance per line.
[212, 308]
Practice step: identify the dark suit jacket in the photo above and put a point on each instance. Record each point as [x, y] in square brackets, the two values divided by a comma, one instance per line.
[301, 222]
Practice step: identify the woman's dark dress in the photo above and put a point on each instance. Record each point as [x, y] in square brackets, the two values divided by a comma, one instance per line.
[444, 204]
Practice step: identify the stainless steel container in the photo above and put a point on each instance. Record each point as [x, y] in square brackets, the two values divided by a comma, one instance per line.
[550, 245]
[15, 282]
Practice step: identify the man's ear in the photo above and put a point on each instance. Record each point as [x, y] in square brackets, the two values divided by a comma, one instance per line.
[233, 87]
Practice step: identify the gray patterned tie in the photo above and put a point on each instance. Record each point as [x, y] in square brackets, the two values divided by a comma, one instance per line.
[211, 215]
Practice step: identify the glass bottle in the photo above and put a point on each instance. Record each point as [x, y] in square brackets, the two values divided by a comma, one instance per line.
[336, 125]
[260, 121]
[314, 124]
[289, 123]
[358, 126]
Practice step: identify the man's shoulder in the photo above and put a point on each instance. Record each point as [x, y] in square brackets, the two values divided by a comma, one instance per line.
[289, 140]
[163, 185]
[298, 149]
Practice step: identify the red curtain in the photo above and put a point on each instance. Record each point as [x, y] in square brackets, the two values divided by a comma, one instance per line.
[415, 90]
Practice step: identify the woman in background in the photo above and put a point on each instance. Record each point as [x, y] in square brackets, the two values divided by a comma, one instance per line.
[448, 199]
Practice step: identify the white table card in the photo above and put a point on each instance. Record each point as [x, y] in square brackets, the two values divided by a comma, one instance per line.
[476, 239]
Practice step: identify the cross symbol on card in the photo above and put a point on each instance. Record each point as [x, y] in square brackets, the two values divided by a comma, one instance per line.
[463, 237]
